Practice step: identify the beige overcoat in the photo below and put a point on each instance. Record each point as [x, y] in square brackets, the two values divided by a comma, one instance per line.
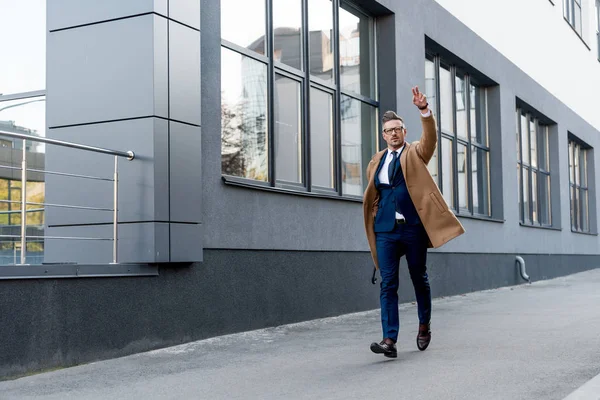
[439, 221]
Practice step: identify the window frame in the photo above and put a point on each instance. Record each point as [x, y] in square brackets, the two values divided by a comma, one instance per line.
[538, 169]
[308, 82]
[575, 184]
[456, 140]
[569, 15]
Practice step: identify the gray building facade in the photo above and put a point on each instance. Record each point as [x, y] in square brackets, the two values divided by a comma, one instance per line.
[225, 230]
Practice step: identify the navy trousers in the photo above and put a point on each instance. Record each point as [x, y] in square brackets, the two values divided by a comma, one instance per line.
[411, 241]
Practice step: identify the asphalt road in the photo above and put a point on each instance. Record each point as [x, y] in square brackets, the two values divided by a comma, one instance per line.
[538, 341]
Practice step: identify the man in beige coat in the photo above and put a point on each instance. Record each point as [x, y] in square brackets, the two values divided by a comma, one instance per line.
[404, 215]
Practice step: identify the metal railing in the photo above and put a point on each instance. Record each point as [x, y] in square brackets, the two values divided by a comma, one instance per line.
[129, 155]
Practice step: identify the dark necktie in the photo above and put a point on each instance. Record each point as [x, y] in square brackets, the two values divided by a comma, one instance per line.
[393, 166]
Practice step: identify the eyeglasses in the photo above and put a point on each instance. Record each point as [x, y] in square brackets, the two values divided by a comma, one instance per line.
[397, 130]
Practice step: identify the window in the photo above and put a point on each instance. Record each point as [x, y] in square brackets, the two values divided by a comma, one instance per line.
[298, 100]
[461, 165]
[579, 160]
[22, 110]
[533, 170]
[572, 12]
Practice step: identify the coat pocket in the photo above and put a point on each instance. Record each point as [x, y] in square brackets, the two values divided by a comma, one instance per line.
[437, 202]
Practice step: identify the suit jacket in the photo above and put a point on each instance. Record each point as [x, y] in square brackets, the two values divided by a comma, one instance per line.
[439, 221]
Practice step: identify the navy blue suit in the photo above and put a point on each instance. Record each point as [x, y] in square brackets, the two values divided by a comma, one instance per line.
[394, 241]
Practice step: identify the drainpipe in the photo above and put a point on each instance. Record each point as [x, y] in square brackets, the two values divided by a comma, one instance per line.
[522, 270]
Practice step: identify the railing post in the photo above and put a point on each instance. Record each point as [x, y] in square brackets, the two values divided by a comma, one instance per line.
[115, 211]
[24, 203]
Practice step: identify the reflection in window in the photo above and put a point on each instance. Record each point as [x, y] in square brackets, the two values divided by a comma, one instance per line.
[243, 23]
[356, 64]
[478, 109]
[288, 130]
[446, 113]
[321, 144]
[244, 151]
[447, 172]
[23, 29]
[572, 12]
[359, 124]
[24, 116]
[534, 205]
[463, 187]
[461, 107]
[286, 139]
[320, 25]
[480, 171]
[287, 32]
[579, 160]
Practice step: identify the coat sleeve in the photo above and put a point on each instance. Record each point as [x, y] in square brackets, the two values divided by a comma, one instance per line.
[428, 142]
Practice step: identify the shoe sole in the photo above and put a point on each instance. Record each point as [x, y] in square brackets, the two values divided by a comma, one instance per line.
[377, 350]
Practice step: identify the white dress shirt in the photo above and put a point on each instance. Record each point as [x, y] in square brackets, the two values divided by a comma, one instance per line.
[383, 173]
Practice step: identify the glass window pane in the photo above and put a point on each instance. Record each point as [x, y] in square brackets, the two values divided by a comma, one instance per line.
[534, 195]
[447, 172]
[520, 188]
[359, 133]
[526, 197]
[518, 139]
[577, 17]
[320, 25]
[533, 142]
[463, 186]
[583, 195]
[525, 139]
[583, 167]
[481, 181]
[461, 107]
[430, 84]
[571, 171]
[321, 138]
[543, 148]
[287, 32]
[576, 164]
[244, 150]
[26, 116]
[356, 48]
[243, 23]
[23, 29]
[288, 130]
[479, 132]
[573, 208]
[446, 113]
[545, 205]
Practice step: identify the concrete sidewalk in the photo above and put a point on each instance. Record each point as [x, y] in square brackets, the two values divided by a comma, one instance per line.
[539, 341]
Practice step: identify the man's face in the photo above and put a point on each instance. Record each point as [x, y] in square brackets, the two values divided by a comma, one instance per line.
[394, 134]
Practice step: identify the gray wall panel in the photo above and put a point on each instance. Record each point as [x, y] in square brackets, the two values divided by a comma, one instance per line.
[184, 73]
[185, 11]
[138, 243]
[68, 13]
[141, 181]
[186, 242]
[103, 72]
[185, 173]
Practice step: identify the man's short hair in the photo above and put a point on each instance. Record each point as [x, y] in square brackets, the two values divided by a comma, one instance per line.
[389, 116]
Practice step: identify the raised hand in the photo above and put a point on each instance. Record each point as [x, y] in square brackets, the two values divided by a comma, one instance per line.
[419, 99]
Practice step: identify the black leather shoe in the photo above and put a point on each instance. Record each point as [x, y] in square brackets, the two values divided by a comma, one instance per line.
[387, 349]
[424, 336]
